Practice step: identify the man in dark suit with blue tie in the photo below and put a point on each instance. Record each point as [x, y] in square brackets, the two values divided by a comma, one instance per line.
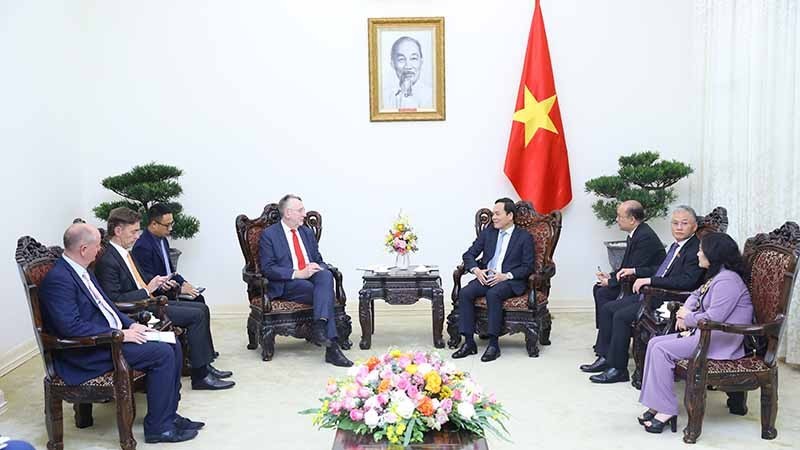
[291, 262]
[678, 270]
[506, 260]
[73, 305]
[643, 254]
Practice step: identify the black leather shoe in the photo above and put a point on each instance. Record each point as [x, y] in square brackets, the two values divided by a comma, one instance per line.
[491, 353]
[737, 403]
[319, 334]
[334, 355]
[600, 364]
[182, 423]
[219, 373]
[610, 375]
[657, 426]
[465, 350]
[211, 383]
[174, 435]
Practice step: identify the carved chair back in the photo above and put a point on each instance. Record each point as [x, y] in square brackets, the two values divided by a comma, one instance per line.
[714, 222]
[545, 229]
[249, 232]
[34, 261]
[771, 261]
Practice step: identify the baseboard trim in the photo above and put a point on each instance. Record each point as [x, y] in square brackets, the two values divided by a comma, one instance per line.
[18, 356]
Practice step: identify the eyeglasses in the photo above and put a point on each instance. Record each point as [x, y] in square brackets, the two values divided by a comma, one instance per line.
[165, 225]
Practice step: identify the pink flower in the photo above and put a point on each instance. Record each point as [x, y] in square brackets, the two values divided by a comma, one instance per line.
[446, 406]
[390, 417]
[412, 392]
[364, 392]
[492, 398]
[457, 395]
[386, 374]
[330, 388]
[475, 398]
[419, 358]
[383, 398]
[403, 362]
[356, 415]
[402, 384]
[335, 407]
[441, 417]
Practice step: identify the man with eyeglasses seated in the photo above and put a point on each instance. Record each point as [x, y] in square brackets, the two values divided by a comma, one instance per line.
[151, 253]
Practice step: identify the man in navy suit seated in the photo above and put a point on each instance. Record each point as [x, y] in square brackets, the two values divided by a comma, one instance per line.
[506, 261]
[73, 305]
[291, 261]
[151, 253]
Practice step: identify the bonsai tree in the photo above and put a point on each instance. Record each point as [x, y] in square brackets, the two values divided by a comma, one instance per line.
[144, 186]
[641, 177]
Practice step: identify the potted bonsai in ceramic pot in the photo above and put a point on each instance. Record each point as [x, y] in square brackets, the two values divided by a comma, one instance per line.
[143, 186]
[642, 177]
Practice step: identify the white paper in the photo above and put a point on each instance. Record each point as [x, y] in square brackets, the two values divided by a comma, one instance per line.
[161, 336]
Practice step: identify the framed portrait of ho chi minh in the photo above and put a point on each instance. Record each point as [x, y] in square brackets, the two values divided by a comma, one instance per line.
[406, 68]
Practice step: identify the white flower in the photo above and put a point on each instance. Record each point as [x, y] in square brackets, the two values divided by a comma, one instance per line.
[424, 368]
[466, 410]
[371, 418]
[372, 403]
[405, 407]
[353, 370]
[373, 376]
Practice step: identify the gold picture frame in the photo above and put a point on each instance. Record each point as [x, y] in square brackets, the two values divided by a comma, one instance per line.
[406, 68]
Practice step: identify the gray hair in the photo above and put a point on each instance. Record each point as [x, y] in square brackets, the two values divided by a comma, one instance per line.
[687, 209]
[78, 234]
[284, 201]
[402, 39]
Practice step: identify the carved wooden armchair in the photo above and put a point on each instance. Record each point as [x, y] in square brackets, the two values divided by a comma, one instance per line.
[650, 322]
[772, 263]
[35, 261]
[274, 316]
[528, 312]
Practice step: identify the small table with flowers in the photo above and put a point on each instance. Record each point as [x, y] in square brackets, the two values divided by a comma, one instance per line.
[436, 440]
[400, 287]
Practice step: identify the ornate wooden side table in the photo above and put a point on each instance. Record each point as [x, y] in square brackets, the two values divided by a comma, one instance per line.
[436, 440]
[400, 287]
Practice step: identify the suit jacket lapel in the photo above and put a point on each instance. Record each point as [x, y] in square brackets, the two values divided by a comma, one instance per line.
[123, 265]
[491, 245]
[82, 285]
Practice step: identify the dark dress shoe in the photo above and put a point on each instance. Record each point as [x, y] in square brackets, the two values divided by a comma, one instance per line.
[600, 364]
[737, 403]
[174, 435]
[610, 375]
[490, 354]
[182, 423]
[647, 416]
[219, 373]
[334, 355]
[465, 350]
[319, 334]
[211, 383]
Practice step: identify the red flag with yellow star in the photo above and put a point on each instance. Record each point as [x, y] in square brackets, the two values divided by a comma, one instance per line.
[536, 161]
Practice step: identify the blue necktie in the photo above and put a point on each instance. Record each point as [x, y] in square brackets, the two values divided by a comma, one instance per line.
[496, 257]
[165, 256]
[662, 269]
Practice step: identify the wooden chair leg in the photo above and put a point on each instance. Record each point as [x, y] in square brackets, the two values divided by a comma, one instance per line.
[54, 419]
[126, 411]
[532, 340]
[769, 406]
[252, 344]
[267, 344]
[344, 328]
[452, 328]
[83, 415]
[695, 402]
[545, 326]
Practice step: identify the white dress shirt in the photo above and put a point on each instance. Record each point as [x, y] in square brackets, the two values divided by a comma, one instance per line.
[108, 312]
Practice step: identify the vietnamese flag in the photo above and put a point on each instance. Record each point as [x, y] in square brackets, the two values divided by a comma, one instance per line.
[536, 161]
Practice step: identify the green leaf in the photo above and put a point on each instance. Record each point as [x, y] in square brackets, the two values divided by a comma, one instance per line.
[409, 430]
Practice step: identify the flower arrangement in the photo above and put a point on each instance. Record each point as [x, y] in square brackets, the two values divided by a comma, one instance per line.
[401, 395]
[401, 238]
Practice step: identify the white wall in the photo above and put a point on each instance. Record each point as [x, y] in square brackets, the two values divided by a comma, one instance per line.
[256, 99]
[41, 176]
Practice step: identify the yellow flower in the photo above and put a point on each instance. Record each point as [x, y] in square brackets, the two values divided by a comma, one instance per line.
[400, 227]
[400, 428]
[433, 382]
[395, 353]
[324, 408]
[411, 368]
[445, 392]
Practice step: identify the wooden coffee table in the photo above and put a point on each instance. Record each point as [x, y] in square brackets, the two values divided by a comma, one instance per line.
[400, 287]
[435, 440]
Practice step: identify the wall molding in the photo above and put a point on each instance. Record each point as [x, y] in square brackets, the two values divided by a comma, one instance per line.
[18, 356]
[3, 403]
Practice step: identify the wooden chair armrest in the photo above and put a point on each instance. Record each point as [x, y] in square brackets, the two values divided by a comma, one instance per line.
[54, 343]
[758, 329]
[339, 283]
[665, 294]
[457, 274]
[251, 277]
[538, 278]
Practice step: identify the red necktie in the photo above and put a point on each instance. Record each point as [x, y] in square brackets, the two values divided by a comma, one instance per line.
[301, 261]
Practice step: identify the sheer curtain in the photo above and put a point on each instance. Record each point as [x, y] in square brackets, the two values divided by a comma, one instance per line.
[748, 56]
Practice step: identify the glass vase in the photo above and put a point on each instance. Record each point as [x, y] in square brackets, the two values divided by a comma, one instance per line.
[402, 261]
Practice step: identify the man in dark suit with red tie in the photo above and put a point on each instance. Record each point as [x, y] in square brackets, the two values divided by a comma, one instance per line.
[501, 258]
[293, 265]
[678, 270]
[73, 305]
